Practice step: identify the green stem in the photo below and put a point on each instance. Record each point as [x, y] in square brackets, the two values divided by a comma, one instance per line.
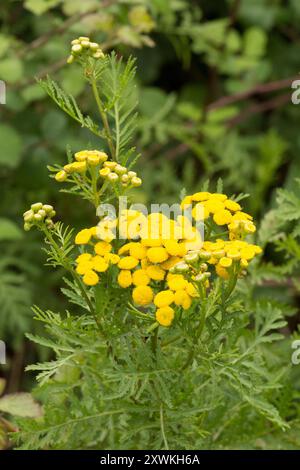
[104, 118]
[68, 267]
[162, 427]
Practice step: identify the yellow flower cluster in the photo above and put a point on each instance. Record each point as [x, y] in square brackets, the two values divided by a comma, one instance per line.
[165, 262]
[226, 255]
[223, 211]
[114, 172]
[145, 263]
[90, 265]
[83, 160]
[84, 47]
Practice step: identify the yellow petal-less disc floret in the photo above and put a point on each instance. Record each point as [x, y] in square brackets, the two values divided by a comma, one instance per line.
[157, 254]
[83, 237]
[142, 295]
[164, 298]
[90, 278]
[140, 277]
[165, 316]
[124, 278]
[129, 262]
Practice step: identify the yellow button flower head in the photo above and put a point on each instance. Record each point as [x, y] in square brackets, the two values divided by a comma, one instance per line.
[222, 217]
[83, 237]
[61, 176]
[142, 295]
[83, 257]
[90, 278]
[101, 248]
[129, 262]
[99, 264]
[164, 298]
[125, 278]
[165, 316]
[157, 254]
[181, 298]
[137, 250]
[225, 262]
[155, 272]
[177, 282]
[140, 277]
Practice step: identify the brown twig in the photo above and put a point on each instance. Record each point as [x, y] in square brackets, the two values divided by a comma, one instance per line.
[256, 90]
[257, 108]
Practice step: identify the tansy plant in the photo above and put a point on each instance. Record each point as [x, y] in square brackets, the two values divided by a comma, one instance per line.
[159, 349]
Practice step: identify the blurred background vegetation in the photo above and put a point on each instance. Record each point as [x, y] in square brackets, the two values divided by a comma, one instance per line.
[214, 85]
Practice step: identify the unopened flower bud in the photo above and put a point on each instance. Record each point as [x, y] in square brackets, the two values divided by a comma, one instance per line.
[94, 46]
[70, 59]
[85, 44]
[47, 208]
[191, 258]
[121, 170]
[61, 176]
[113, 177]
[205, 255]
[135, 181]
[42, 213]
[76, 49]
[181, 267]
[36, 206]
[131, 174]
[27, 227]
[37, 217]
[125, 179]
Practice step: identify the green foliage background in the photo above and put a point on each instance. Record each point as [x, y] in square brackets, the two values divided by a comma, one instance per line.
[191, 55]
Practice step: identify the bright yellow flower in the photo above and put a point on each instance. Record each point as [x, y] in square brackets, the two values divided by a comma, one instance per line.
[124, 278]
[112, 258]
[83, 237]
[155, 272]
[83, 257]
[137, 250]
[164, 298]
[165, 316]
[128, 262]
[101, 248]
[142, 295]
[83, 267]
[225, 262]
[181, 298]
[157, 254]
[232, 205]
[222, 272]
[140, 277]
[90, 278]
[99, 264]
[222, 217]
[176, 282]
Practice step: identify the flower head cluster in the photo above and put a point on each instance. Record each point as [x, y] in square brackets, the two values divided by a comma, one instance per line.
[113, 172]
[83, 160]
[222, 210]
[39, 214]
[90, 265]
[83, 47]
[164, 262]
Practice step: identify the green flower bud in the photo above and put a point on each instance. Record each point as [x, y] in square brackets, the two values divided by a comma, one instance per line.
[47, 208]
[85, 44]
[37, 217]
[52, 214]
[37, 206]
[203, 267]
[27, 227]
[131, 174]
[135, 181]
[70, 59]
[181, 267]
[113, 177]
[94, 46]
[28, 216]
[205, 255]
[75, 41]
[191, 258]
[98, 54]
[76, 49]
[83, 38]
[42, 213]
[121, 170]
